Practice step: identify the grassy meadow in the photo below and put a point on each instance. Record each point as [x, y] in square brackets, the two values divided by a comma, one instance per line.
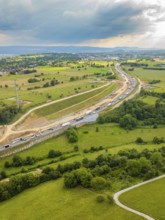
[148, 199]
[147, 75]
[52, 201]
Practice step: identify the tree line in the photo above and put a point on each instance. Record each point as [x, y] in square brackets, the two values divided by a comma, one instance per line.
[97, 174]
[135, 112]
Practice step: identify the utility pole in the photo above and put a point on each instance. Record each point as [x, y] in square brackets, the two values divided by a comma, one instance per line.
[16, 94]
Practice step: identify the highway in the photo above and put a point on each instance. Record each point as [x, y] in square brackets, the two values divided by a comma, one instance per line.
[86, 115]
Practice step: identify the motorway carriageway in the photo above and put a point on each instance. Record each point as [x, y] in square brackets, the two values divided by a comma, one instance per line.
[87, 115]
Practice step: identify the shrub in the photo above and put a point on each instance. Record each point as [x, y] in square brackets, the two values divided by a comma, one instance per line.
[98, 183]
[76, 148]
[71, 134]
[139, 140]
[110, 199]
[53, 153]
[97, 129]
[70, 180]
[100, 198]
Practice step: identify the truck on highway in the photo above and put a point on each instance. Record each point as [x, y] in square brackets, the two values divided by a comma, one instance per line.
[15, 140]
[66, 124]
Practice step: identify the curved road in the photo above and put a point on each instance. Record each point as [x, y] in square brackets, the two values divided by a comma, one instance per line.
[118, 194]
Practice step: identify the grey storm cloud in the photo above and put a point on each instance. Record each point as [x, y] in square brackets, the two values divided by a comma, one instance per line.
[71, 21]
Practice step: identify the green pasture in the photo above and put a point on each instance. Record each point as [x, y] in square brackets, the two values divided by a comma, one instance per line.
[52, 201]
[148, 199]
[150, 100]
[149, 75]
[150, 62]
[39, 96]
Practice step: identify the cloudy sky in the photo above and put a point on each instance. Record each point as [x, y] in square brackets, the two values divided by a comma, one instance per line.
[104, 23]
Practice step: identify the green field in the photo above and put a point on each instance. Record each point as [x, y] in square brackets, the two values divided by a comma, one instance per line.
[148, 75]
[64, 107]
[110, 136]
[52, 201]
[30, 98]
[148, 199]
[72, 77]
[150, 100]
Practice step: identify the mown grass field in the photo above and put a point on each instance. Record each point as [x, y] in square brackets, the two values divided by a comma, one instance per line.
[52, 201]
[74, 104]
[148, 199]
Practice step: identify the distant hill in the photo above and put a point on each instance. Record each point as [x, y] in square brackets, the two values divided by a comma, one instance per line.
[20, 50]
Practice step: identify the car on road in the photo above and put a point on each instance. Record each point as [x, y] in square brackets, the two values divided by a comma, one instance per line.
[6, 146]
[98, 108]
[79, 118]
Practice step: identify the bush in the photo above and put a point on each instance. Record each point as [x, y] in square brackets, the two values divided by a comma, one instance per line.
[53, 153]
[100, 198]
[139, 140]
[71, 134]
[98, 183]
[97, 129]
[33, 80]
[3, 175]
[128, 122]
[7, 113]
[157, 140]
[76, 148]
[70, 180]
[110, 199]
[84, 177]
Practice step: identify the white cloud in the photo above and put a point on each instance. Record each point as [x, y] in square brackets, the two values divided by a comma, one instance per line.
[89, 21]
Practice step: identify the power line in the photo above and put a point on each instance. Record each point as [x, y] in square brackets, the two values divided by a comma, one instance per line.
[16, 94]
